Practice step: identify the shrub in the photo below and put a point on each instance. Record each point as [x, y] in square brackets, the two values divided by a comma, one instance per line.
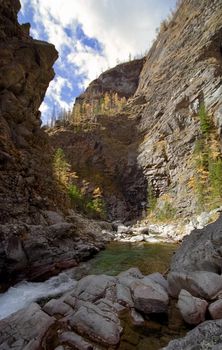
[76, 197]
[166, 213]
[151, 199]
[205, 122]
[61, 167]
[207, 162]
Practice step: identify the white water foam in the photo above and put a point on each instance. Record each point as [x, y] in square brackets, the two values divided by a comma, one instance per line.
[24, 293]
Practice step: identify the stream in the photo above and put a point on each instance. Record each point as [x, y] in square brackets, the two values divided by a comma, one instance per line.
[117, 257]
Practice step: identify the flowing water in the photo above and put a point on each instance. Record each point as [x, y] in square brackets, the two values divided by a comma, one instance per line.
[111, 261]
[117, 257]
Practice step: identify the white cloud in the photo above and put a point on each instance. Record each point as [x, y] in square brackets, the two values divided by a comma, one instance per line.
[54, 91]
[122, 27]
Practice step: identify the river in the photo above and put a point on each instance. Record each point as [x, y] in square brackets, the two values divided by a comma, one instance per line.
[115, 258]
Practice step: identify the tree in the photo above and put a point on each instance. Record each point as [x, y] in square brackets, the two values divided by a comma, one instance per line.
[61, 167]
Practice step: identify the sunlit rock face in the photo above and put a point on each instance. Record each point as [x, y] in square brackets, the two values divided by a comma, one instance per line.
[152, 142]
[25, 73]
[182, 70]
[122, 79]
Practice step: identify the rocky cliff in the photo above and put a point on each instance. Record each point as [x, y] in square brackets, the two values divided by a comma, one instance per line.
[182, 70]
[122, 79]
[160, 122]
[102, 148]
[26, 70]
[34, 240]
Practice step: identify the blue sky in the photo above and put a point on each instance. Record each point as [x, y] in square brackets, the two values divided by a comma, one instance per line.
[90, 36]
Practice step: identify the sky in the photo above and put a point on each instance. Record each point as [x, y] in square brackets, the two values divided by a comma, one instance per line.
[90, 36]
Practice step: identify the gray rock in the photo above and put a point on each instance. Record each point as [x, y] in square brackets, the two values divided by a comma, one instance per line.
[92, 288]
[25, 329]
[75, 340]
[122, 229]
[53, 217]
[199, 283]
[150, 298]
[205, 336]
[158, 278]
[60, 229]
[192, 309]
[132, 272]
[57, 306]
[97, 325]
[215, 309]
[200, 250]
[136, 317]
[123, 295]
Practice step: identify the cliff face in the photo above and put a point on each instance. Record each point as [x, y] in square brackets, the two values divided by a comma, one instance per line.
[160, 120]
[105, 156]
[25, 73]
[102, 149]
[182, 70]
[122, 79]
[34, 241]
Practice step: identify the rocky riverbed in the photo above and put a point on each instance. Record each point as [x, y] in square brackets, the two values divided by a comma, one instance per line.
[131, 310]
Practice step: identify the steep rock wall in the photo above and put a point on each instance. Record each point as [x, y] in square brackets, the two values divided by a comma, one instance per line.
[25, 73]
[35, 242]
[122, 79]
[103, 148]
[182, 70]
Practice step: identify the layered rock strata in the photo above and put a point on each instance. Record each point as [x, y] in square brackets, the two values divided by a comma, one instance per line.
[35, 241]
[182, 70]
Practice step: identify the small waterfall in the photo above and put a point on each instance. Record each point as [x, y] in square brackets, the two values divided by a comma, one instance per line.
[24, 293]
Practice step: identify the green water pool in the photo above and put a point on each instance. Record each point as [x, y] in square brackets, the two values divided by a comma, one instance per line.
[119, 257]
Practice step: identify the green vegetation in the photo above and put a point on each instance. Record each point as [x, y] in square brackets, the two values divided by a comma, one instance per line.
[205, 122]
[161, 209]
[88, 202]
[61, 167]
[207, 162]
[151, 199]
[166, 211]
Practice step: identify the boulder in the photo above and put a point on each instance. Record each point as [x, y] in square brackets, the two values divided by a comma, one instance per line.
[92, 288]
[215, 310]
[57, 306]
[192, 309]
[158, 278]
[150, 298]
[73, 339]
[29, 326]
[130, 278]
[200, 250]
[97, 325]
[202, 284]
[52, 217]
[132, 272]
[205, 336]
[136, 317]
[123, 295]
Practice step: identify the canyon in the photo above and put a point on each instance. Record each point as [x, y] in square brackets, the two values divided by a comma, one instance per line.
[135, 154]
